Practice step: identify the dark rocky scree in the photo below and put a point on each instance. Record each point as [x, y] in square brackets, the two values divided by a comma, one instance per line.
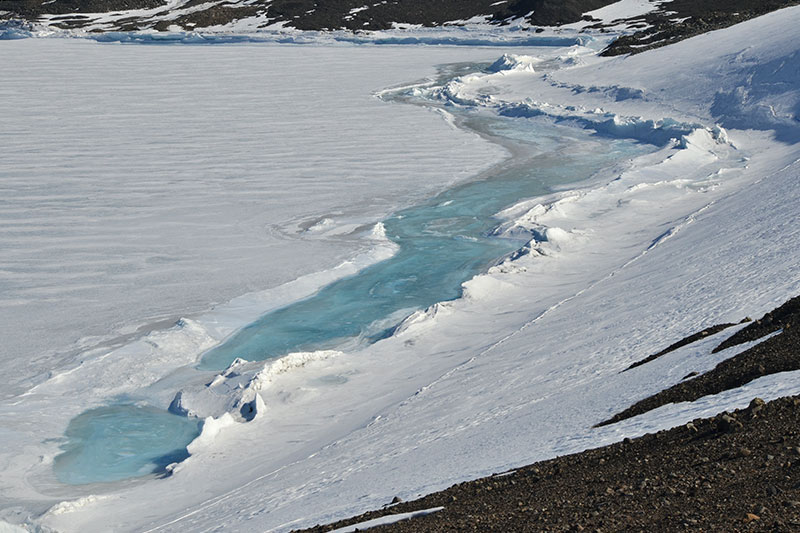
[701, 17]
[735, 472]
[684, 342]
[550, 12]
[30, 9]
[315, 14]
[673, 21]
[335, 14]
[780, 353]
[783, 317]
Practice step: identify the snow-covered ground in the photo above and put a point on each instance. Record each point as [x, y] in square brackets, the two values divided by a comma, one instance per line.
[704, 230]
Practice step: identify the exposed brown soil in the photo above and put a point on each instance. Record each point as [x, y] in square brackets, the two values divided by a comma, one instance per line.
[780, 353]
[731, 473]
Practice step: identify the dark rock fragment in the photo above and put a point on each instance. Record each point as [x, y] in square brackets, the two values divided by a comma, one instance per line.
[727, 424]
[755, 407]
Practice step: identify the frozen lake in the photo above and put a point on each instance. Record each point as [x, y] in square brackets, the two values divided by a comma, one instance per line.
[441, 243]
[140, 184]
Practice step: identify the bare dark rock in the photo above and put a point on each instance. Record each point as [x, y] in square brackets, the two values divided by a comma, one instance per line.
[727, 423]
[703, 481]
[314, 15]
[776, 354]
[777, 319]
[675, 20]
[755, 407]
[681, 343]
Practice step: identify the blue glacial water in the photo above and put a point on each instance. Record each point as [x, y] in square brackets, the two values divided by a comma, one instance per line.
[442, 243]
[123, 441]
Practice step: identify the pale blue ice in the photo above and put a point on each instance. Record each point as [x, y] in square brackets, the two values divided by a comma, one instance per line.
[123, 441]
[442, 243]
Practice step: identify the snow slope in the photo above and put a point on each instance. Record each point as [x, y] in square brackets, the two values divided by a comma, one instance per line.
[702, 231]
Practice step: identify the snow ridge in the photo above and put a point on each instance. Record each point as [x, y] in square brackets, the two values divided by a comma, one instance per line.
[236, 391]
[471, 91]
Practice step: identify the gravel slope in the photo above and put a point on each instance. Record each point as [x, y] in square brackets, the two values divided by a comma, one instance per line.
[734, 472]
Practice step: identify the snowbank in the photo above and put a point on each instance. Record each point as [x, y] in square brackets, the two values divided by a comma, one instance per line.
[236, 392]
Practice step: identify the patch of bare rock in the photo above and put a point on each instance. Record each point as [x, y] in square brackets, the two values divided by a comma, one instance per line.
[736, 472]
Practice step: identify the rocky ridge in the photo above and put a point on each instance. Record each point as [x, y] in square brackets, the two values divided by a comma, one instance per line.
[132, 15]
[670, 21]
[676, 20]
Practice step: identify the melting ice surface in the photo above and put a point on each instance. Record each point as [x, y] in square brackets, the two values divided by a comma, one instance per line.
[123, 441]
[442, 243]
